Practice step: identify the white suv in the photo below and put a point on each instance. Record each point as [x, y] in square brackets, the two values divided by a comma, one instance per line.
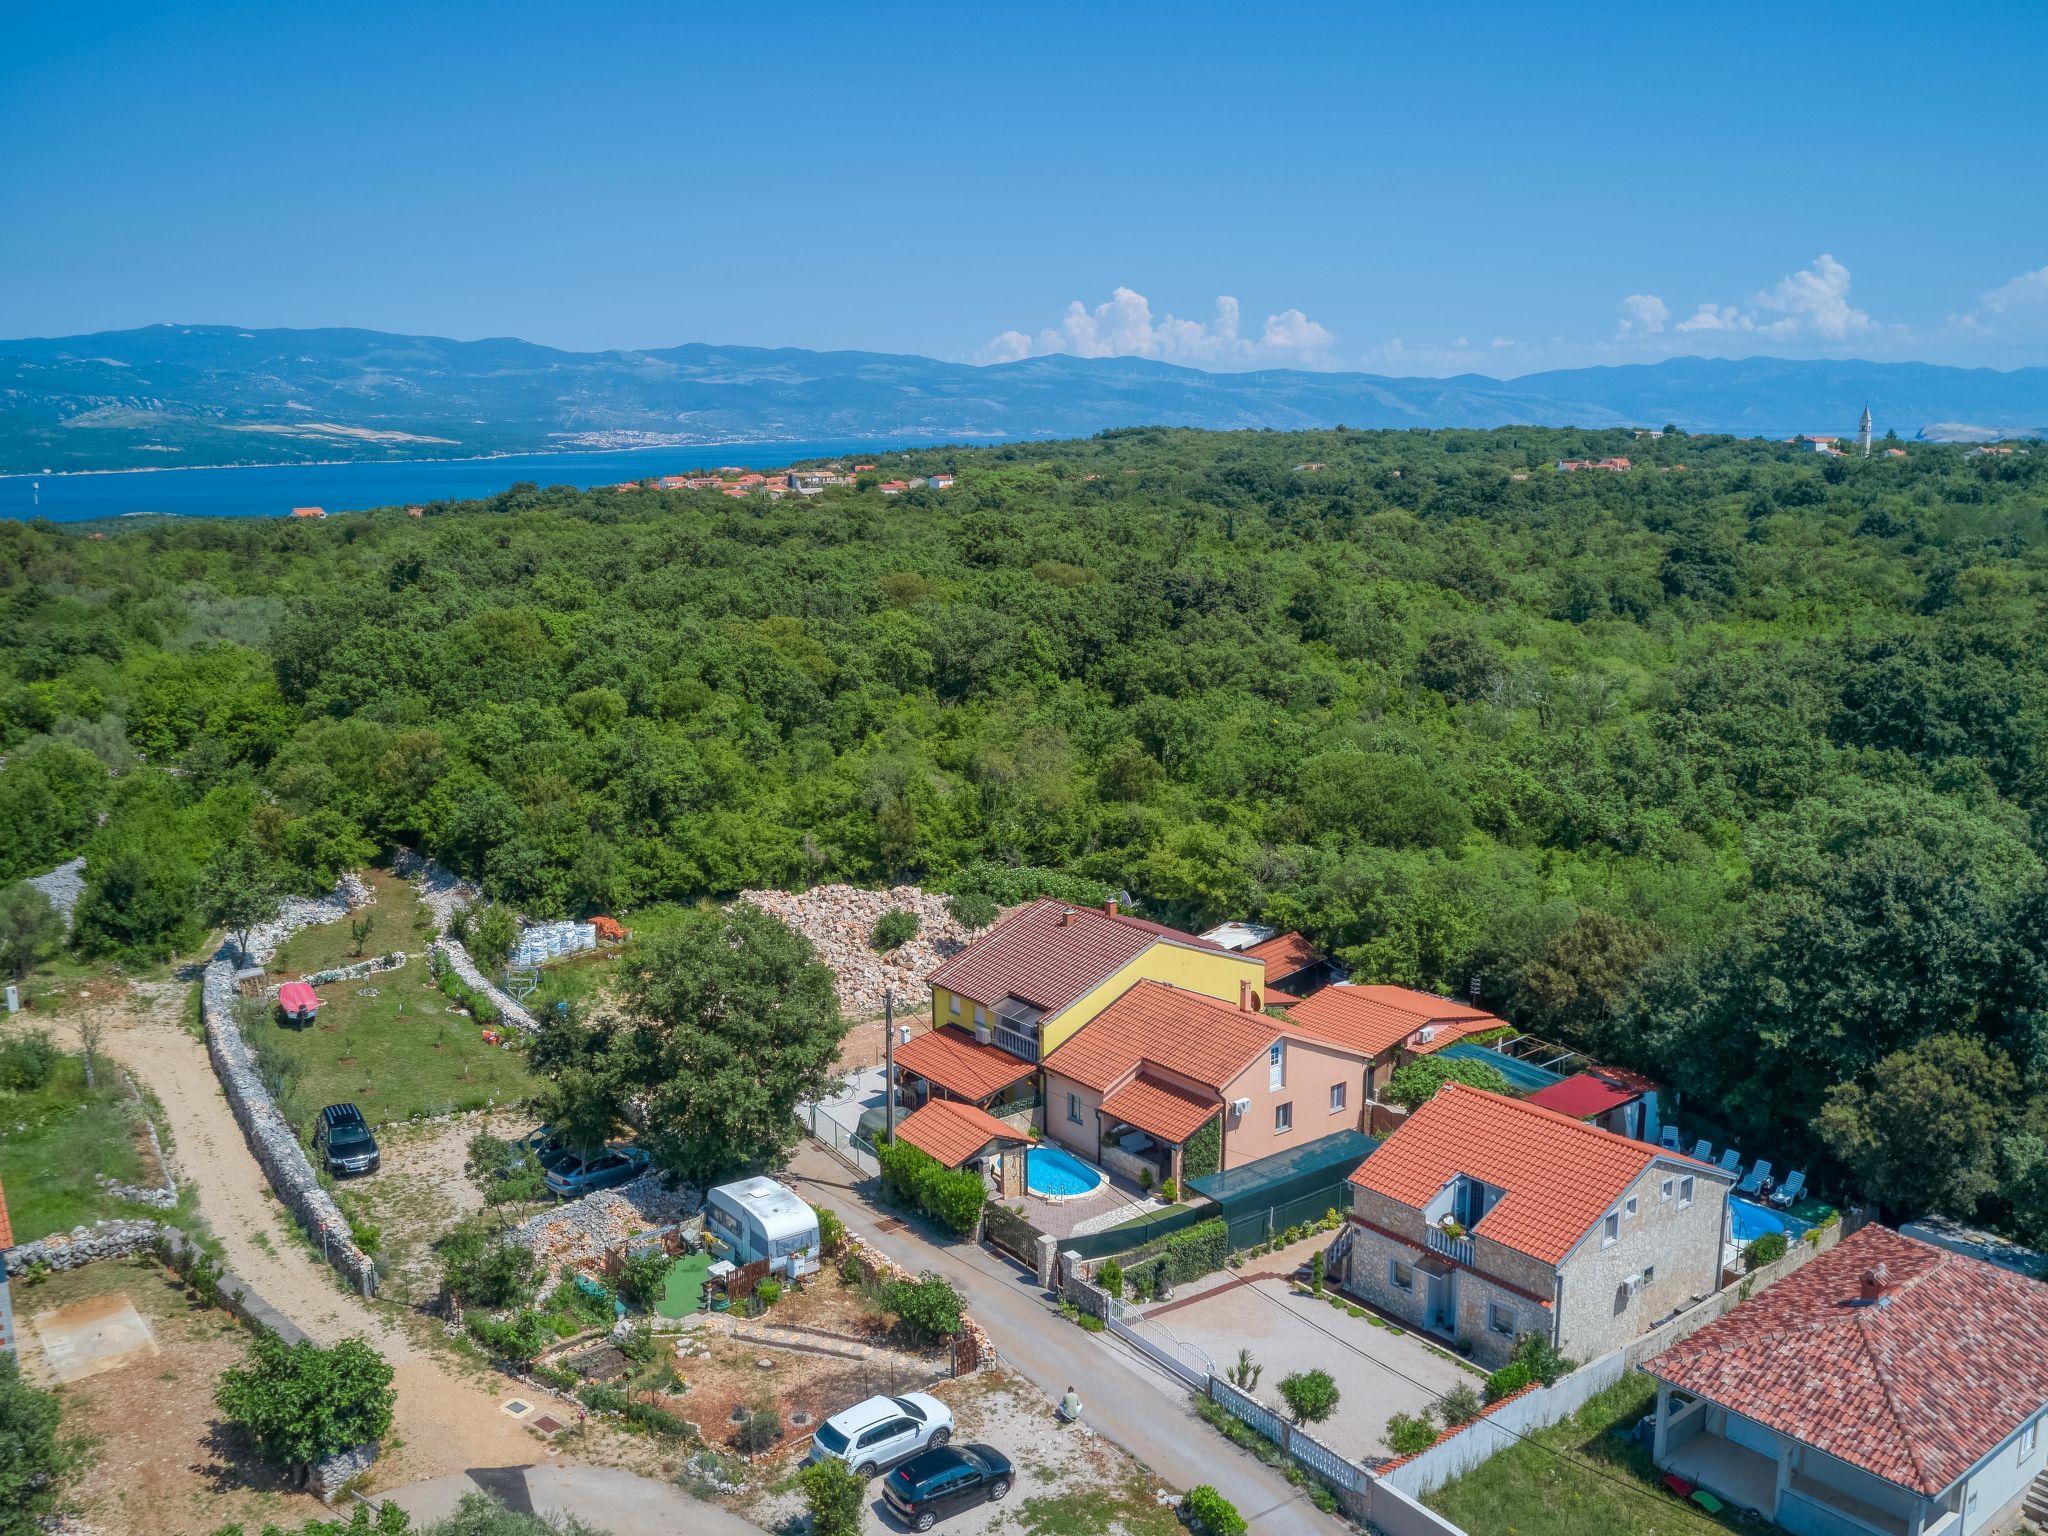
[880, 1432]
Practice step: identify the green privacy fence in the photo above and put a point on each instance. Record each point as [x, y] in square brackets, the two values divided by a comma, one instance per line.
[1136, 1234]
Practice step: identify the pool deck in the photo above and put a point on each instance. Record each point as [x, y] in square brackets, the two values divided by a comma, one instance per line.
[1117, 1200]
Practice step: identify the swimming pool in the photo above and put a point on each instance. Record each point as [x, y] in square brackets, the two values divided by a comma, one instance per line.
[1751, 1219]
[1053, 1173]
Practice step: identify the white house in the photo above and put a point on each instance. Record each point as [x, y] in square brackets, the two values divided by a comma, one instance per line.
[1888, 1388]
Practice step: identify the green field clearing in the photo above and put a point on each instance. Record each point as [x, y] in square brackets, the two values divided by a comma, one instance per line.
[398, 921]
[55, 1139]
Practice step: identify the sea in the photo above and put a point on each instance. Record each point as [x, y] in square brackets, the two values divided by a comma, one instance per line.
[272, 490]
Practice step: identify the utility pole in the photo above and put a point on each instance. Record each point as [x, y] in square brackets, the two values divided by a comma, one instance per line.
[889, 1061]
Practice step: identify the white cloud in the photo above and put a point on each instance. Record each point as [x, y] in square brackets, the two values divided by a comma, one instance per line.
[1717, 317]
[2020, 304]
[1124, 327]
[1643, 313]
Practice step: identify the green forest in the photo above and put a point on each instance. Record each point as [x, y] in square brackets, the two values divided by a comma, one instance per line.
[1730, 767]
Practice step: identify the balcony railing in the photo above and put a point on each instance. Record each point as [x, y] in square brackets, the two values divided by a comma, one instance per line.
[1015, 1042]
[1456, 1249]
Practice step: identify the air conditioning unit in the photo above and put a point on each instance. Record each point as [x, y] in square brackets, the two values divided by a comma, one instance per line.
[983, 1033]
[1240, 1106]
[1425, 1034]
[1634, 1284]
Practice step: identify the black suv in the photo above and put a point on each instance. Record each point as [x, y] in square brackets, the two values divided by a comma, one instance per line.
[345, 1141]
[937, 1482]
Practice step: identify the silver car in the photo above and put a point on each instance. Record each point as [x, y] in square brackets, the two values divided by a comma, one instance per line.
[876, 1434]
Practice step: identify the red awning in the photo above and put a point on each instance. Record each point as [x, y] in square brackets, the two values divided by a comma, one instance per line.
[297, 997]
[1585, 1097]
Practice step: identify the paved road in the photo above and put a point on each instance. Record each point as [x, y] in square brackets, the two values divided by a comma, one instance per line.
[604, 1498]
[1134, 1404]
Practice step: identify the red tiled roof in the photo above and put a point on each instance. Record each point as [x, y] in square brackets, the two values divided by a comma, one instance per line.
[1200, 1038]
[961, 1064]
[1585, 1096]
[6, 1224]
[1284, 954]
[1560, 1175]
[1163, 1109]
[953, 1132]
[1375, 1019]
[1030, 955]
[1916, 1389]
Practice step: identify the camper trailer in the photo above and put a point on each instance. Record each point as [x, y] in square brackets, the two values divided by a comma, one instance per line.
[758, 1218]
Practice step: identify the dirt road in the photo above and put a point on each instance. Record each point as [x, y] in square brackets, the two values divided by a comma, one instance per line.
[446, 1419]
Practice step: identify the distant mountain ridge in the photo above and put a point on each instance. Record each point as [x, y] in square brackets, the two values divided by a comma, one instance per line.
[171, 394]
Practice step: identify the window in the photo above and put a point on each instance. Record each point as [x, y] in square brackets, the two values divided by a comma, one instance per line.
[1400, 1276]
[1685, 1192]
[1610, 1229]
[1664, 1189]
[954, 999]
[1649, 1273]
[1336, 1097]
[2029, 1438]
[1500, 1319]
[1074, 1108]
[1283, 1119]
[1276, 1065]
[1629, 1210]
[980, 1014]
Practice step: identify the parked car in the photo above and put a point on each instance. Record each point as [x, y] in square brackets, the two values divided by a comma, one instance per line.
[569, 1175]
[344, 1141]
[882, 1431]
[933, 1484]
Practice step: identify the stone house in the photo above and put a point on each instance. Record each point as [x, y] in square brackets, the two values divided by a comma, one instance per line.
[1484, 1218]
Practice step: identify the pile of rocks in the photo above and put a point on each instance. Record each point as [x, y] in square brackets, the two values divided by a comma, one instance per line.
[158, 1199]
[442, 892]
[63, 885]
[375, 965]
[839, 920]
[298, 912]
[580, 1231]
[84, 1245]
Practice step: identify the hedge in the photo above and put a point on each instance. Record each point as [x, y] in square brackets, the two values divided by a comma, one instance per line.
[1187, 1255]
[953, 1197]
[1202, 1153]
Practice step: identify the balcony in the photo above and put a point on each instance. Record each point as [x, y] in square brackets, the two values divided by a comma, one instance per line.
[1016, 1041]
[1457, 1249]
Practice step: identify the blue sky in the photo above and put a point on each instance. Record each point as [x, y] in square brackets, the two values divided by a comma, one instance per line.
[1406, 189]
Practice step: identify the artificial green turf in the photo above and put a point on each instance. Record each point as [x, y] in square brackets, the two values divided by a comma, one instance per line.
[56, 1138]
[685, 1285]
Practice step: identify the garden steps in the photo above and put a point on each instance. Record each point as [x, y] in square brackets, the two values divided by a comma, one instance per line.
[2037, 1501]
[801, 1340]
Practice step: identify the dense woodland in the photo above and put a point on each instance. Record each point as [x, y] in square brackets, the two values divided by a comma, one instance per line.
[1734, 772]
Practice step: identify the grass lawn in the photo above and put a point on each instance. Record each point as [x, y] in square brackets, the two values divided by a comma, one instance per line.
[396, 922]
[390, 1045]
[55, 1138]
[1576, 1477]
[685, 1287]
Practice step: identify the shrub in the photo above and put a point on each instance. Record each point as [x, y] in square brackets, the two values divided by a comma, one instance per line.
[492, 934]
[26, 1062]
[1410, 1433]
[1245, 1374]
[1111, 1277]
[1315, 1272]
[928, 1307]
[603, 1398]
[831, 1230]
[1212, 1512]
[1311, 1396]
[972, 909]
[644, 1277]
[301, 1403]
[893, 930]
[656, 1419]
[1460, 1405]
[518, 1338]
[1168, 1190]
[1416, 1084]
[480, 1269]
[1508, 1380]
[1145, 1178]
[1542, 1358]
[1196, 1252]
[836, 1495]
[953, 1197]
[760, 1429]
[769, 1291]
[1767, 1249]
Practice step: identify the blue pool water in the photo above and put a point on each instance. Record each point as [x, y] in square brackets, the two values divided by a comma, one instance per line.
[1058, 1174]
[1751, 1219]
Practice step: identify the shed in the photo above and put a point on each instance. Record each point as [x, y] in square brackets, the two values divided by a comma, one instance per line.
[758, 1218]
[299, 1002]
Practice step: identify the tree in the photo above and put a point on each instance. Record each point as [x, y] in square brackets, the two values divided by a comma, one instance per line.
[360, 927]
[927, 1306]
[139, 899]
[971, 909]
[243, 887]
[492, 934]
[30, 930]
[729, 1024]
[1410, 1434]
[1245, 1372]
[1460, 1405]
[643, 1278]
[481, 1269]
[301, 1403]
[33, 1463]
[1311, 1396]
[1416, 1083]
[1923, 1132]
[836, 1495]
[893, 930]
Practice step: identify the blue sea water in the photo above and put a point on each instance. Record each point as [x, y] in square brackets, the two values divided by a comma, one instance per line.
[273, 490]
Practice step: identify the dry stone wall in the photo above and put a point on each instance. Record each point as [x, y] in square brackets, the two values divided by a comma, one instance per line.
[458, 959]
[117, 1239]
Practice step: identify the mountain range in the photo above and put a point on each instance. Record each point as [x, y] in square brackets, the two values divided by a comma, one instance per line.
[206, 394]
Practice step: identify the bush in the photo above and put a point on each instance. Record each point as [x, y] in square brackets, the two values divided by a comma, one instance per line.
[1196, 1252]
[1416, 1084]
[643, 1278]
[1767, 1249]
[1460, 1405]
[953, 1197]
[836, 1495]
[1410, 1434]
[893, 930]
[1212, 1512]
[596, 1395]
[1168, 1190]
[760, 1429]
[972, 909]
[928, 1307]
[1508, 1380]
[1311, 1396]
[1111, 1277]
[769, 1292]
[492, 935]
[831, 1230]
[26, 1062]
[301, 1403]
[518, 1338]
[480, 1269]
[34, 1461]
[1542, 1358]
[657, 1420]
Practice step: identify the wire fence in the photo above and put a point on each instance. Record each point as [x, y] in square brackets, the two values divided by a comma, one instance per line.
[855, 1151]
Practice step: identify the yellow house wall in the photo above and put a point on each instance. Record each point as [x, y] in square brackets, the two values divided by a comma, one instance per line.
[1214, 973]
[942, 1009]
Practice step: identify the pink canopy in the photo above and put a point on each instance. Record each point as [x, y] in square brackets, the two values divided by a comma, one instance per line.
[296, 997]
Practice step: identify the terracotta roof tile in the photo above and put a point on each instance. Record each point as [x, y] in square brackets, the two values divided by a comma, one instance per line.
[1375, 1019]
[1166, 1110]
[1032, 955]
[961, 1064]
[1916, 1389]
[1193, 1036]
[953, 1132]
[1284, 954]
[1560, 1175]
[6, 1224]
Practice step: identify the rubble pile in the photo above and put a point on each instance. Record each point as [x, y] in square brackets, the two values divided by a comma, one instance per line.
[63, 886]
[578, 1232]
[442, 892]
[839, 920]
[296, 912]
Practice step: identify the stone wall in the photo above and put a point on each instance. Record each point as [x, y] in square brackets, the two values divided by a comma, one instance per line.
[458, 960]
[116, 1239]
[270, 1137]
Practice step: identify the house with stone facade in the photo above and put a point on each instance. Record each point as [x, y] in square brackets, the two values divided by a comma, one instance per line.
[1484, 1218]
[1887, 1388]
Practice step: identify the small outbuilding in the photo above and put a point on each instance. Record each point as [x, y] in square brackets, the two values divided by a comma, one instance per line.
[758, 1218]
[298, 1002]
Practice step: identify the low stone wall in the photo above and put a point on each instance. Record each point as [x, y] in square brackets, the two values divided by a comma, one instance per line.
[376, 965]
[155, 1199]
[270, 1138]
[458, 960]
[115, 1239]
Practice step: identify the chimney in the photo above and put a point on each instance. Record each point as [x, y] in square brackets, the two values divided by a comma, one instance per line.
[1066, 916]
[1109, 906]
[1247, 1000]
[1877, 1282]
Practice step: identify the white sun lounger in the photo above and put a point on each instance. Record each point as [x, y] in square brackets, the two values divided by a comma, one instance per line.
[1703, 1151]
[1758, 1177]
[1787, 1194]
